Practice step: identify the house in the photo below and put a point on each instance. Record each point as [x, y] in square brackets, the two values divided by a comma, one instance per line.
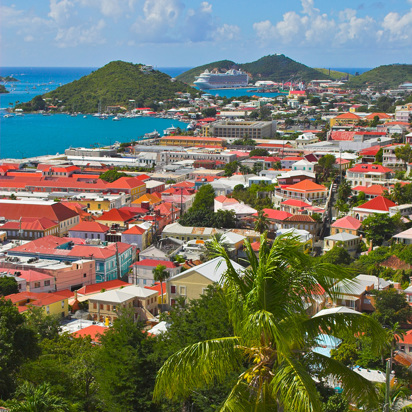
[51, 303]
[31, 280]
[356, 294]
[389, 158]
[116, 218]
[404, 237]
[222, 202]
[133, 186]
[13, 210]
[106, 306]
[305, 139]
[136, 235]
[304, 165]
[274, 217]
[108, 259]
[142, 272]
[89, 230]
[177, 231]
[370, 191]
[293, 206]
[347, 224]
[306, 191]
[369, 174]
[288, 161]
[300, 222]
[192, 283]
[150, 199]
[378, 204]
[294, 176]
[404, 342]
[346, 240]
[30, 228]
[345, 119]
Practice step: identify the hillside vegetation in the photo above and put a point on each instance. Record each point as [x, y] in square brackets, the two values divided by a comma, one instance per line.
[390, 76]
[276, 67]
[3, 89]
[335, 74]
[114, 84]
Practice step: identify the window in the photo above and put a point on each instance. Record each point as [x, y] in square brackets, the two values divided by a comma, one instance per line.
[172, 289]
[114, 308]
[99, 206]
[144, 281]
[62, 304]
[107, 307]
[101, 306]
[94, 305]
[84, 275]
[182, 290]
[36, 285]
[47, 309]
[47, 283]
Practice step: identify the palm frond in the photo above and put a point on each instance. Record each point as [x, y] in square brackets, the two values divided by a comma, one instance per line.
[355, 387]
[295, 388]
[337, 323]
[197, 366]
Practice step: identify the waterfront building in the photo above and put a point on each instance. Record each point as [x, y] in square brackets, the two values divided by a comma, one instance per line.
[240, 130]
[189, 141]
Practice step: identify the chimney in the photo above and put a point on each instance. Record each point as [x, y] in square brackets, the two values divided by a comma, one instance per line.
[145, 205]
[397, 286]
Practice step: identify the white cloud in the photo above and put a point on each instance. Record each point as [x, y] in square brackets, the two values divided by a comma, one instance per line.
[159, 17]
[226, 32]
[60, 10]
[28, 38]
[397, 27]
[75, 35]
[110, 8]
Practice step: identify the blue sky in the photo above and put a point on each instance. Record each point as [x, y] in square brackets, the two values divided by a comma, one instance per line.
[90, 33]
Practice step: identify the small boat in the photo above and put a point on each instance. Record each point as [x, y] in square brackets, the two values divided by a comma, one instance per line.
[8, 115]
[116, 118]
[84, 117]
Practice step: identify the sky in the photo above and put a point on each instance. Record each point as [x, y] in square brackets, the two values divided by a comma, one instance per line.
[187, 33]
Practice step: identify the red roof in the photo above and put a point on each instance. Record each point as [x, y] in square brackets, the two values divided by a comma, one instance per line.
[346, 136]
[348, 115]
[378, 203]
[116, 215]
[370, 151]
[31, 223]
[407, 338]
[348, 222]
[94, 331]
[97, 287]
[294, 202]
[370, 190]
[16, 210]
[307, 186]
[34, 298]
[370, 168]
[275, 214]
[371, 116]
[28, 275]
[95, 227]
[300, 218]
[134, 230]
[153, 263]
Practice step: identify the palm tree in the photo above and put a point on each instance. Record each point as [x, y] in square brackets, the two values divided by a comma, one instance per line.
[270, 349]
[261, 223]
[30, 398]
[160, 274]
[397, 394]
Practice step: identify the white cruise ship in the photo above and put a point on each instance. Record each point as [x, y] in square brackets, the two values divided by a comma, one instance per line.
[231, 79]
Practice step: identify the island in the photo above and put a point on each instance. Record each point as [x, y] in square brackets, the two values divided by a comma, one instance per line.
[115, 87]
[3, 89]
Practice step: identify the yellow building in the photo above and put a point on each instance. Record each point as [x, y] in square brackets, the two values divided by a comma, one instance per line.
[345, 119]
[193, 282]
[190, 141]
[98, 204]
[107, 305]
[51, 303]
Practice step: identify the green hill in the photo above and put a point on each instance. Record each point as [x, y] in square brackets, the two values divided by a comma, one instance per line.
[112, 85]
[276, 67]
[335, 74]
[386, 77]
[3, 89]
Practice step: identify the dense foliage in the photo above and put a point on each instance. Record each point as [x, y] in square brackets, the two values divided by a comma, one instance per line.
[390, 76]
[276, 67]
[112, 85]
[112, 175]
[3, 89]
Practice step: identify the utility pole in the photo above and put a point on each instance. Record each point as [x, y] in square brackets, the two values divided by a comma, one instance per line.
[387, 386]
